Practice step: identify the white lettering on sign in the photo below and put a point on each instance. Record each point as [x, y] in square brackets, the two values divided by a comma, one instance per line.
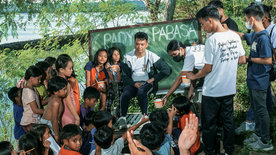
[160, 33]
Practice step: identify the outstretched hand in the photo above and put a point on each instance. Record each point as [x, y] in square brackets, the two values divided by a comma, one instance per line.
[135, 147]
[188, 135]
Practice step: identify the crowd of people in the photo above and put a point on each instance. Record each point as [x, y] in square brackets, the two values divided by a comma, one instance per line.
[49, 118]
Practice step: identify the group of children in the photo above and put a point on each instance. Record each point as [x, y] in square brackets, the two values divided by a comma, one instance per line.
[47, 104]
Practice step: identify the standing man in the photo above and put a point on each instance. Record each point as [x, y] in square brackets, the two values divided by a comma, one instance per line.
[227, 22]
[223, 52]
[259, 65]
[140, 76]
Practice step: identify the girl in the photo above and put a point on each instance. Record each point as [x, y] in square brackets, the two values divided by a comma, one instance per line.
[6, 148]
[30, 98]
[64, 69]
[182, 105]
[28, 145]
[75, 86]
[42, 132]
[114, 64]
[98, 73]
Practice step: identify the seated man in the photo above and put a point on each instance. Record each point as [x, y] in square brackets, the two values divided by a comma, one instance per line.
[140, 75]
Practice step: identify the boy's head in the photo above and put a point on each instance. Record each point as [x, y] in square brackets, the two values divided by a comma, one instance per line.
[182, 104]
[89, 119]
[141, 36]
[160, 117]
[14, 95]
[209, 18]
[253, 13]
[219, 5]
[267, 15]
[91, 96]
[71, 136]
[151, 137]
[58, 86]
[104, 137]
[102, 118]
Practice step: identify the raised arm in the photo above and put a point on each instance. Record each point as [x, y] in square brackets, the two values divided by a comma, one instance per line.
[144, 120]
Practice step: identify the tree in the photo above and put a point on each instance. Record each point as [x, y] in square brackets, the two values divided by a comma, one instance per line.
[153, 8]
[169, 10]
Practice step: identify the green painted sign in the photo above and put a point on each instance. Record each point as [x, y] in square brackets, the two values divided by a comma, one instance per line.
[160, 34]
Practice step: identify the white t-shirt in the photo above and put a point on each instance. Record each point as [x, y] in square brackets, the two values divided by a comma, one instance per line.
[139, 70]
[222, 51]
[114, 149]
[140, 66]
[194, 58]
[273, 34]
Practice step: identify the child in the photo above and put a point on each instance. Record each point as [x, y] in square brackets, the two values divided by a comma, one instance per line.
[114, 61]
[72, 140]
[45, 68]
[164, 120]
[57, 87]
[6, 148]
[64, 69]
[98, 73]
[30, 98]
[90, 96]
[104, 139]
[94, 120]
[28, 144]
[51, 61]
[42, 132]
[182, 106]
[75, 86]
[15, 95]
[88, 134]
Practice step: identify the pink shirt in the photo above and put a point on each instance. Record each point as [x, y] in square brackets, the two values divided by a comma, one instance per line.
[67, 117]
[28, 96]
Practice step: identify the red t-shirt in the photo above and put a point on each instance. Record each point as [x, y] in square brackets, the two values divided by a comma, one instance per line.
[181, 125]
[63, 151]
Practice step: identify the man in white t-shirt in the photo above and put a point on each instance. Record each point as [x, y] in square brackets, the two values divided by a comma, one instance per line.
[193, 60]
[223, 52]
[141, 72]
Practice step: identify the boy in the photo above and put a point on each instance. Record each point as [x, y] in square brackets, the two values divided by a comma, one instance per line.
[223, 52]
[57, 87]
[88, 134]
[104, 139]
[259, 65]
[15, 95]
[72, 140]
[160, 119]
[90, 96]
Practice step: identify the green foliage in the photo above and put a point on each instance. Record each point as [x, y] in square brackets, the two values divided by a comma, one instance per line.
[13, 65]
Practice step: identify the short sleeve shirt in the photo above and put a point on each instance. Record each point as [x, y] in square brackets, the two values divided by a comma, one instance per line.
[271, 30]
[28, 96]
[194, 56]
[165, 148]
[222, 51]
[115, 149]
[258, 74]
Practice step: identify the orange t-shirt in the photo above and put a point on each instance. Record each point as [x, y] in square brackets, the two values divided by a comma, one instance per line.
[76, 92]
[63, 151]
[101, 77]
[181, 125]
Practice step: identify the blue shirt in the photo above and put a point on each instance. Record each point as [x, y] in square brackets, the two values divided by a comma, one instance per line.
[165, 148]
[258, 74]
[17, 114]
